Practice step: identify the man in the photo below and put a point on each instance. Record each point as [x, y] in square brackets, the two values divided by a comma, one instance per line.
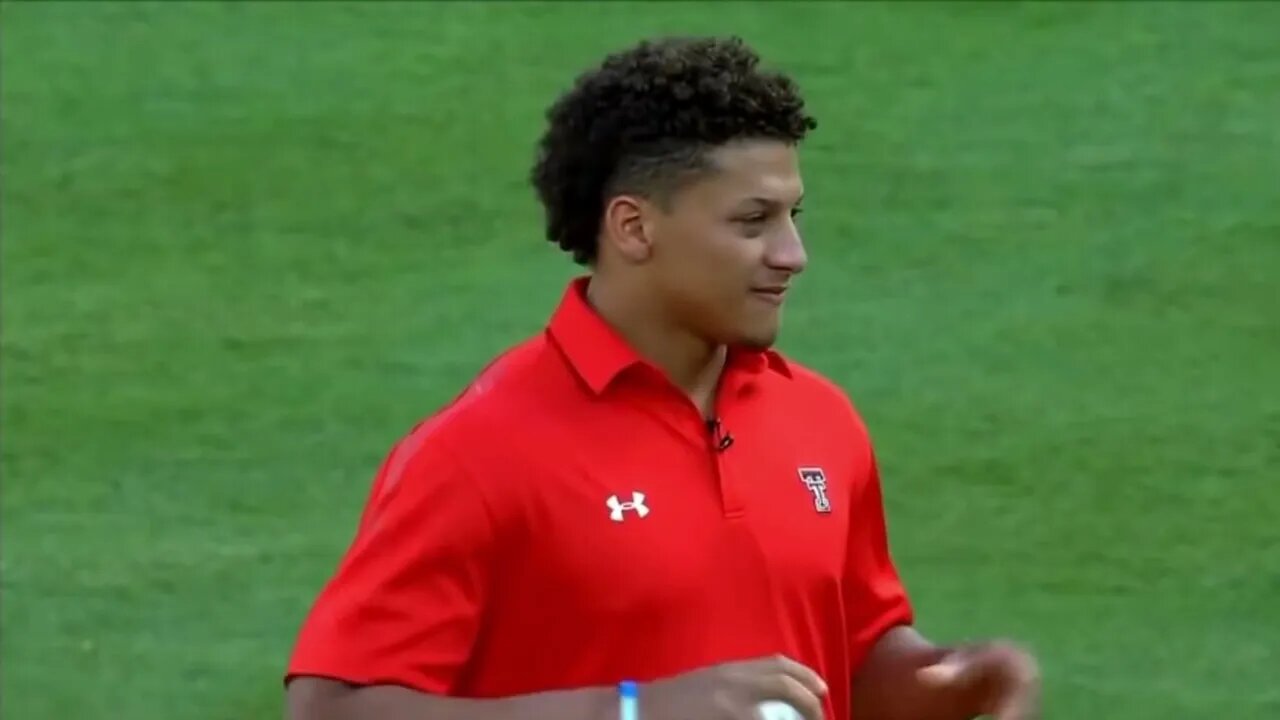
[645, 493]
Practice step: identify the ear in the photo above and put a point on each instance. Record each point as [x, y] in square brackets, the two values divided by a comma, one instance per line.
[625, 230]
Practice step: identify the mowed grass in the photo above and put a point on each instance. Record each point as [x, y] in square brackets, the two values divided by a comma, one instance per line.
[246, 246]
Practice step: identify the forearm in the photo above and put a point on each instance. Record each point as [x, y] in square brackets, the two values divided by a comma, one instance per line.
[318, 699]
[888, 685]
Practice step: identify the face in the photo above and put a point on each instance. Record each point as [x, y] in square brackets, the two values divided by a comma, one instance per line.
[723, 251]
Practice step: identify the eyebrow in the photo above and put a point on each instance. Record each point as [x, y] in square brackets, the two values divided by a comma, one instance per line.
[774, 202]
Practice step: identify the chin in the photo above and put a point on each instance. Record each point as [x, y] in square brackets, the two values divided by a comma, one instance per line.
[757, 340]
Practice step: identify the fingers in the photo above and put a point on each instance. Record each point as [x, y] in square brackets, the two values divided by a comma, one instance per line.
[971, 664]
[793, 692]
[945, 672]
[1020, 697]
[960, 669]
[805, 675]
[1010, 676]
[1018, 708]
[1020, 702]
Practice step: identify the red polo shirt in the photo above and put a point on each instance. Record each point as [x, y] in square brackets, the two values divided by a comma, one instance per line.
[570, 520]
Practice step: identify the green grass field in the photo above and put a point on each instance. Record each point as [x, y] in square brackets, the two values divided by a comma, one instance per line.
[245, 247]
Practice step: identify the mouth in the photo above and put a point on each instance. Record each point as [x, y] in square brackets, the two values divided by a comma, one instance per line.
[773, 294]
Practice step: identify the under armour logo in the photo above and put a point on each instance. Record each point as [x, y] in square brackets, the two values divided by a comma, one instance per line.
[617, 507]
[816, 480]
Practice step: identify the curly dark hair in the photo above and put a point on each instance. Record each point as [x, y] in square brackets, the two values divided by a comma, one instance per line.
[643, 121]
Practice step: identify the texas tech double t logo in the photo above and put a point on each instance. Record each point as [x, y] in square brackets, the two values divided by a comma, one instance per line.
[816, 480]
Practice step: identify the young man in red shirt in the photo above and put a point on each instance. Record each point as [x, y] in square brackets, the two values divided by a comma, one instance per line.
[646, 499]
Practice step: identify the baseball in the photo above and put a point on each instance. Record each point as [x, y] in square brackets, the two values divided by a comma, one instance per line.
[777, 710]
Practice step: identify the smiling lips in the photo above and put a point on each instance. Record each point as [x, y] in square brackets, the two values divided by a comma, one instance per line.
[772, 294]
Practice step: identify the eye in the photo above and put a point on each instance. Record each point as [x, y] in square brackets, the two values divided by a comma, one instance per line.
[796, 212]
[753, 225]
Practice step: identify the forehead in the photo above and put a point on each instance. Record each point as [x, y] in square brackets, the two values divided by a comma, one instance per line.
[744, 169]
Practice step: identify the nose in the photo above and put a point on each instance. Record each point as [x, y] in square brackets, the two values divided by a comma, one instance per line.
[787, 251]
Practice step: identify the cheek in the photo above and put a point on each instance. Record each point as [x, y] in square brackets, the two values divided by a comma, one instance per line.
[695, 276]
[706, 269]
[724, 261]
[699, 249]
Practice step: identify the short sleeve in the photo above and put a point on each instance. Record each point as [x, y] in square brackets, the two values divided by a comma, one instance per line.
[404, 606]
[875, 600]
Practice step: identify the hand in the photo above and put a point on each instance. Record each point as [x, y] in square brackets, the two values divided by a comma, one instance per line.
[1002, 679]
[733, 690]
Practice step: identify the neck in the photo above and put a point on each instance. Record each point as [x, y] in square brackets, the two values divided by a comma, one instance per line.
[690, 362]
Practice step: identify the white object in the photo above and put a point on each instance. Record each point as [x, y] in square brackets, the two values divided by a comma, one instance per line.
[777, 710]
[617, 508]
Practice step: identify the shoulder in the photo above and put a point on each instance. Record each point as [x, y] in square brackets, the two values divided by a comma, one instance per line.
[480, 420]
[837, 414]
[494, 396]
[817, 394]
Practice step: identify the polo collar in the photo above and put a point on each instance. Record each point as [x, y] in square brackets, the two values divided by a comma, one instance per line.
[599, 354]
